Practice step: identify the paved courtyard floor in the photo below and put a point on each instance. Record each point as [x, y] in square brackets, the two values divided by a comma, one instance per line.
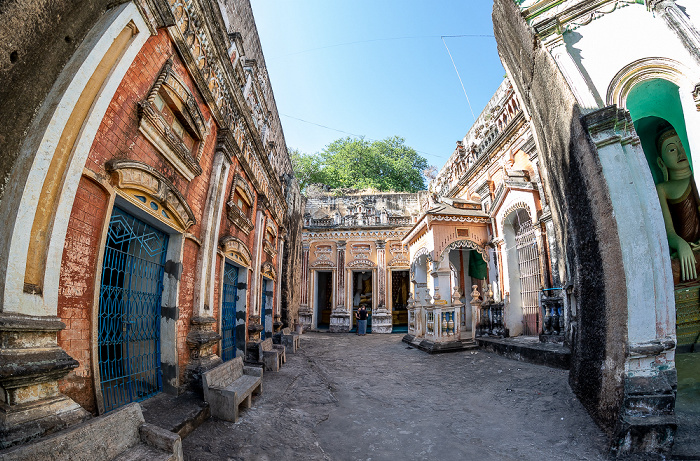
[345, 397]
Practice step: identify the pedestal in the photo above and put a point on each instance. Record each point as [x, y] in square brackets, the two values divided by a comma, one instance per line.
[305, 318]
[31, 363]
[340, 322]
[201, 341]
[381, 321]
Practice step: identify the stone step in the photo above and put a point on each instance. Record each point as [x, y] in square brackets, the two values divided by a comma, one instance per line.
[142, 452]
[179, 414]
[528, 349]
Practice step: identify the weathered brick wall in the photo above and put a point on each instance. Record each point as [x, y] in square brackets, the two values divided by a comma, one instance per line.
[77, 288]
[190, 249]
[118, 137]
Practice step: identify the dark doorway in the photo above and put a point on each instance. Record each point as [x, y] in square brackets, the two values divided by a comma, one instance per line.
[129, 312]
[362, 294]
[399, 300]
[324, 298]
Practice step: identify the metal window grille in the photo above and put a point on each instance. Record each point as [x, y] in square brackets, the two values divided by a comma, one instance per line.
[228, 312]
[529, 265]
[129, 312]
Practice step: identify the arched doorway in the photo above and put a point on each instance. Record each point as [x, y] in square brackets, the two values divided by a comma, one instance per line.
[522, 316]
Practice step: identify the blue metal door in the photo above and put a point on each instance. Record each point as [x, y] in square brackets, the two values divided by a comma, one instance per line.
[262, 308]
[129, 313]
[228, 312]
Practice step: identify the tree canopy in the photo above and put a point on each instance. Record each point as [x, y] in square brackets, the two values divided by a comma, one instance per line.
[386, 165]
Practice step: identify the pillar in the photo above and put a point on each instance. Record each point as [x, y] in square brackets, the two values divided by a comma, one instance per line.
[202, 336]
[381, 317]
[305, 314]
[340, 317]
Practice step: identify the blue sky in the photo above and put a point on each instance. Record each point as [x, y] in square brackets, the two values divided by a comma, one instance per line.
[378, 68]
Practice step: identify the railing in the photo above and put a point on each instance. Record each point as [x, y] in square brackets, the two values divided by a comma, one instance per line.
[553, 309]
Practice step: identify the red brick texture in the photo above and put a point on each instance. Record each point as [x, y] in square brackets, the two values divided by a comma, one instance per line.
[77, 288]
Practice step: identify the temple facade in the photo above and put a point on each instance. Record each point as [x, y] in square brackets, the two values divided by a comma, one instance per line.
[352, 255]
[150, 212]
[484, 240]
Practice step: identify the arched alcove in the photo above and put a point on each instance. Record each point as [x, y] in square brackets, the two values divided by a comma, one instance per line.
[651, 103]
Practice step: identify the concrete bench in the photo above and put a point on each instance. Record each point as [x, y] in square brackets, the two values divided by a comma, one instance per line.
[271, 357]
[119, 435]
[291, 340]
[229, 386]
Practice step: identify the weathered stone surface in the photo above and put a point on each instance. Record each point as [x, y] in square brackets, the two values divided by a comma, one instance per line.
[582, 213]
[101, 438]
[386, 401]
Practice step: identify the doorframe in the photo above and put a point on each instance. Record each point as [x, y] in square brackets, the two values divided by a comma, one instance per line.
[170, 368]
[314, 294]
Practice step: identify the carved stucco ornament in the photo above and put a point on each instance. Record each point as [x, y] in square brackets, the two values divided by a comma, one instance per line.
[236, 250]
[132, 177]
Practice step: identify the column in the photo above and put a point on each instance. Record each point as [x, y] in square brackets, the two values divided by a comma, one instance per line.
[202, 337]
[340, 317]
[254, 319]
[381, 318]
[340, 291]
[679, 23]
[277, 313]
[305, 314]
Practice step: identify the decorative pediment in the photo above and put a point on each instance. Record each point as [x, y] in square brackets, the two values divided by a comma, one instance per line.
[146, 187]
[361, 251]
[323, 256]
[170, 119]
[399, 255]
[240, 204]
[361, 264]
[268, 271]
[236, 250]
[322, 263]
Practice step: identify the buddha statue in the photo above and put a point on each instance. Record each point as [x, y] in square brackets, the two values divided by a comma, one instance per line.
[678, 196]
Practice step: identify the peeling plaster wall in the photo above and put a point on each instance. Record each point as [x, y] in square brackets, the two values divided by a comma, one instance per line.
[582, 213]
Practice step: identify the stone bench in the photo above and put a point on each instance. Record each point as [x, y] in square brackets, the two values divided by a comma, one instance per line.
[230, 385]
[291, 340]
[119, 435]
[272, 356]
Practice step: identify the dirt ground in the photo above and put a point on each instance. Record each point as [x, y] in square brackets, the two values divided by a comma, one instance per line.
[344, 397]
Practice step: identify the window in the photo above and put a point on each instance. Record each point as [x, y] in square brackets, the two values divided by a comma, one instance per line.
[170, 119]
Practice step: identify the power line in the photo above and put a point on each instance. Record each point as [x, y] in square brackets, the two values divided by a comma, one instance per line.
[347, 132]
[458, 76]
[380, 40]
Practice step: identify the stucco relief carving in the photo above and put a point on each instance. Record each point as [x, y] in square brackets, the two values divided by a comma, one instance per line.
[130, 175]
[236, 250]
[268, 271]
[198, 52]
[465, 244]
[399, 256]
[159, 132]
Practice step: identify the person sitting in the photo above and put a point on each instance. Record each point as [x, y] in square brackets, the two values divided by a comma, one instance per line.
[679, 200]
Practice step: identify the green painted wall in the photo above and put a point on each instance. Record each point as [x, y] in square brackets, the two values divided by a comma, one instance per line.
[650, 103]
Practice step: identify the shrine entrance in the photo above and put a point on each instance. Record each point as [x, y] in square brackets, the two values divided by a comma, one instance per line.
[400, 287]
[362, 285]
[129, 312]
[324, 298]
[523, 265]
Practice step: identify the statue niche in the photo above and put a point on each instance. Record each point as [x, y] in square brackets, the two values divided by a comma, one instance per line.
[679, 200]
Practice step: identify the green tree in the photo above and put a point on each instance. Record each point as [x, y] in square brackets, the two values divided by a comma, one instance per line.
[356, 163]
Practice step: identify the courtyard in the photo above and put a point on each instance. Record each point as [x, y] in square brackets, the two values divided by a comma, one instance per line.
[344, 397]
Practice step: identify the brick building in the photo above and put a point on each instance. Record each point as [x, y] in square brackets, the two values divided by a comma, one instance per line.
[151, 214]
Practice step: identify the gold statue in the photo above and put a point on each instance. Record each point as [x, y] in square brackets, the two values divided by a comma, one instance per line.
[679, 200]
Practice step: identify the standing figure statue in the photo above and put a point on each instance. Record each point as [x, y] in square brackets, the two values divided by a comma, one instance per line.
[679, 200]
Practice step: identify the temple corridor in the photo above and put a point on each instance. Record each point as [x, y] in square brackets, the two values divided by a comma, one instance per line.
[343, 397]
